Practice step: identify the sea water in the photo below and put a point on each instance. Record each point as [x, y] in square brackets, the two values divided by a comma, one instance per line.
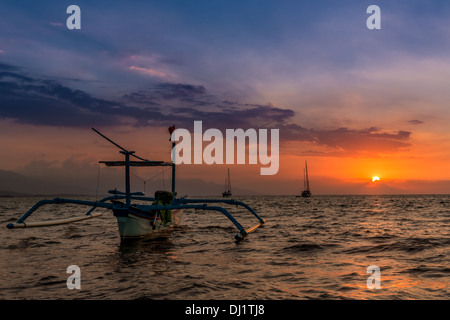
[310, 248]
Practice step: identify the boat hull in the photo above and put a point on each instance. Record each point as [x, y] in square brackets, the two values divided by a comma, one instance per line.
[134, 225]
[306, 194]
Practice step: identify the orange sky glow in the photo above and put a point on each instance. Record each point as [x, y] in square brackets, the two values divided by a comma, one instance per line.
[413, 170]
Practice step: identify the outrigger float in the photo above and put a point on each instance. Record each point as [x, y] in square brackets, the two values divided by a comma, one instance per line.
[135, 219]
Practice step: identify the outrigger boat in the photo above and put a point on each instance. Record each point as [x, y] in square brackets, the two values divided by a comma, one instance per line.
[136, 220]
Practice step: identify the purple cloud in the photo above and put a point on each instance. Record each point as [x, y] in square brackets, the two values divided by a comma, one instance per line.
[37, 101]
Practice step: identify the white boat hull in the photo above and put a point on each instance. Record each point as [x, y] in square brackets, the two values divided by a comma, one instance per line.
[134, 226]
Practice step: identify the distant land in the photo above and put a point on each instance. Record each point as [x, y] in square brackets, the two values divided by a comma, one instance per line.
[13, 184]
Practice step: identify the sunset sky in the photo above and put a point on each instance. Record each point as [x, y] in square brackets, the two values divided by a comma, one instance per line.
[355, 103]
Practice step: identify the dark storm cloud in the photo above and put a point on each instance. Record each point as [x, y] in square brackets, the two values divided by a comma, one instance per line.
[178, 90]
[38, 101]
[31, 100]
[162, 92]
[7, 67]
[47, 102]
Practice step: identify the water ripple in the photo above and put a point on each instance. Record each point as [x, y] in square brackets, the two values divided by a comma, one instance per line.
[316, 248]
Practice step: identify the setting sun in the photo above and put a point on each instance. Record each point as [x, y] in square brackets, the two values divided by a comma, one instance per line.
[375, 179]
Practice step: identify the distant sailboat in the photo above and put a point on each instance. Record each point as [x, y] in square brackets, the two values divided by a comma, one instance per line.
[306, 193]
[227, 192]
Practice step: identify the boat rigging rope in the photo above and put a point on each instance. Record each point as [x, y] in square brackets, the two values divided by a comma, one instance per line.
[152, 177]
[98, 182]
[164, 180]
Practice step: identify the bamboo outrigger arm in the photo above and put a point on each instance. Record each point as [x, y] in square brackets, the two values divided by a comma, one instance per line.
[185, 201]
[228, 201]
[22, 224]
[182, 204]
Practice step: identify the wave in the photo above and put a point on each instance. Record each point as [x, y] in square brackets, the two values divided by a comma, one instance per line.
[429, 271]
[319, 250]
[307, 247]
[50, 280]
[408, 245]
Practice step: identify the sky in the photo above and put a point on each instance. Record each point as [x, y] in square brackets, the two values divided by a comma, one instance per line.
[355, 103]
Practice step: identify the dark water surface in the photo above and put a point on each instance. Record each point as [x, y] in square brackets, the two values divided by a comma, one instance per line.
[314, 248]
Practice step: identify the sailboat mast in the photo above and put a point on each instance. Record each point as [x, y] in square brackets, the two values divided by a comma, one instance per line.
[127, 176]
[304, 179]
[229, 180]
[173, 170]
[306, 175]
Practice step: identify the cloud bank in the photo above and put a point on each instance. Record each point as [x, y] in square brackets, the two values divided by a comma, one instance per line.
[38, 101]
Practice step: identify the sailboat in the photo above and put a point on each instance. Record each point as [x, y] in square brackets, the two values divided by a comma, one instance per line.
[227, 192]
[306, 193]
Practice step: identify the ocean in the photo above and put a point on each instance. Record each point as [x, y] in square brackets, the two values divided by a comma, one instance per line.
[310, 248]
